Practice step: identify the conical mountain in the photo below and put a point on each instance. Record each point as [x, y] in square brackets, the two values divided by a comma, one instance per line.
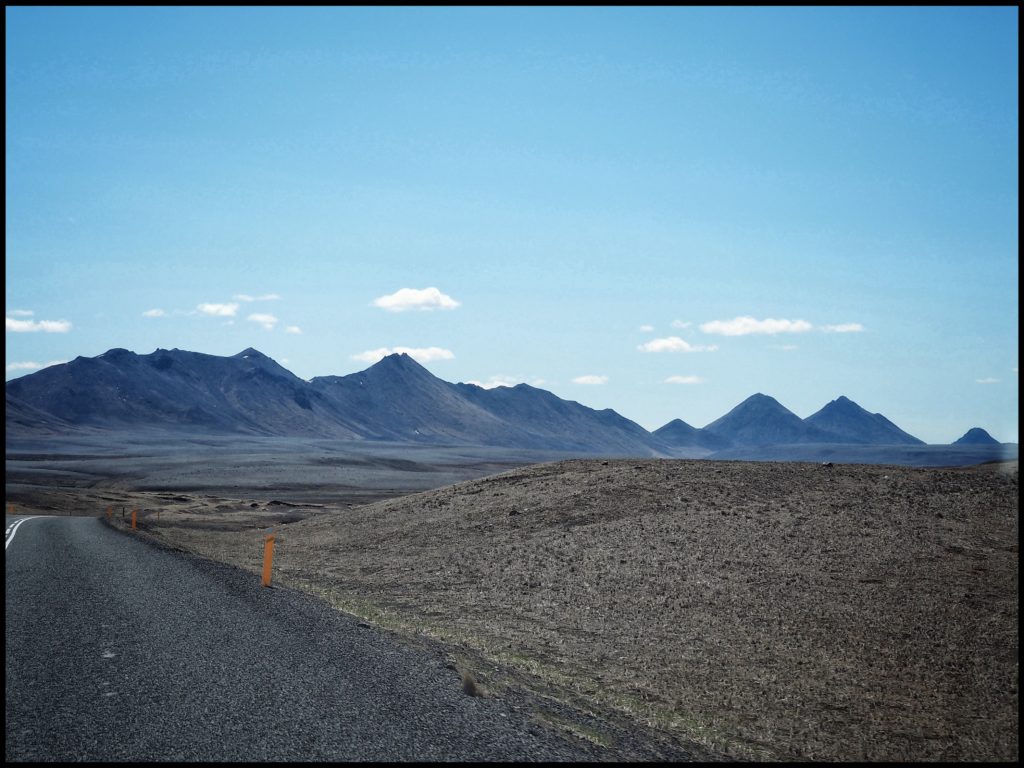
[976, 436]
[762, 420]
[852, 424]
[678, 434]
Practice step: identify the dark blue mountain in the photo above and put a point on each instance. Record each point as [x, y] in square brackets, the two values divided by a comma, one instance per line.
[678, 434]
[762, 420]
[852, 424]
[976, 436]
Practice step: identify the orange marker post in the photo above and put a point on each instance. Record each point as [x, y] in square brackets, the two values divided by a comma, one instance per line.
[268, 558]
[133, 518]
[10, 509]
[110, 511]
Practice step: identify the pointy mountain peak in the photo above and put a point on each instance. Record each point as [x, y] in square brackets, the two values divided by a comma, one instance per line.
[763, 420]
[850, 423]
[398, 362]
[761, 402]
[250, 353]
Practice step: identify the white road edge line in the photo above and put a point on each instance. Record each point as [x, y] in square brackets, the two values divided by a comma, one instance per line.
[13, 530]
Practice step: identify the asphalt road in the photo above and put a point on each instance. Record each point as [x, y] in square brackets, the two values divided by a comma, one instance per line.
[117, 650]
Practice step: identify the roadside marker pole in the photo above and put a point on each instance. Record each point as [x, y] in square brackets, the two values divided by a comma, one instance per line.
[133, 518]
[110, 511]
[268, 558]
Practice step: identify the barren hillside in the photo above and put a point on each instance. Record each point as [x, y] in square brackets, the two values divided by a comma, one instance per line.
[780, 611]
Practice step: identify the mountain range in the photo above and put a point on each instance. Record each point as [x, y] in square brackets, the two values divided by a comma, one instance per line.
[398, 400]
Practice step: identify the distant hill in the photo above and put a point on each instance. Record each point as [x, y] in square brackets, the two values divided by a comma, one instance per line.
[976, 436]
[762, 420]
[678, 434]
[850, 423]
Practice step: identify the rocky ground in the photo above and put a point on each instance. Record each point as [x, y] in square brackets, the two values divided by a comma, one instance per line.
[763, 610]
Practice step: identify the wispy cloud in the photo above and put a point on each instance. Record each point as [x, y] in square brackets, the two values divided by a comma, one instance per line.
[674, 344]
[683, 380]
[32, 326]
[247, 297]
[681, 324]
[988, 380]
[406, 299]
[843, 328]
[293, 329]
[267, 321]
[421, 354]
[30, 366]
[743, 326]
[20, 312]
[646, 329]
[154, 313]
[218, 310]
[590, 379]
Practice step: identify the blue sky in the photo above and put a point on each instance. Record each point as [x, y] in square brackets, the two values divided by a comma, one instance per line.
[660, 210]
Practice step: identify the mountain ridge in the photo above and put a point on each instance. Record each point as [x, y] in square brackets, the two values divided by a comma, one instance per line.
[398, 399]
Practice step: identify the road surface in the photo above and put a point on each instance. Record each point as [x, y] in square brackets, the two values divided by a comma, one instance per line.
[118, 650]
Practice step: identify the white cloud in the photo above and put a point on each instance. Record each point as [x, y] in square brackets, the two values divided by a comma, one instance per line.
[154, 313]
[218, 310]
[681, 324]
[30, 326]
[683, 380]
[406, 299]
[267, 321]
[247, 297]
[21, 312]
[674, 344]
[742, 326]
[293, 329]
[422, 354]
[646, 328]
[843, 328]
[590, 379]
[30, 366]
[988, 380]
[498, 380]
